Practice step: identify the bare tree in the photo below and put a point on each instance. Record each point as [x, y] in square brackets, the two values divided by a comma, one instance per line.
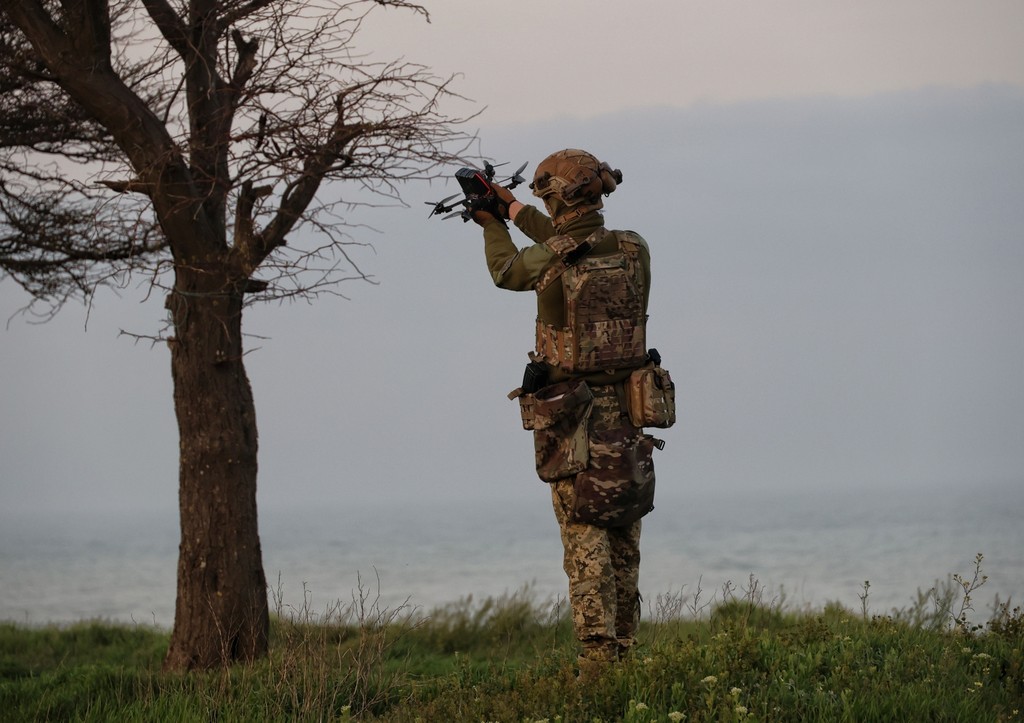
[193, 139]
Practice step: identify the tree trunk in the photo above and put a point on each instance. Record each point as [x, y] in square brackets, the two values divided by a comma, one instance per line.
[221, 612]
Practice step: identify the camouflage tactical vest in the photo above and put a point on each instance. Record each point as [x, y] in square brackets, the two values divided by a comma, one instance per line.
[605, 321]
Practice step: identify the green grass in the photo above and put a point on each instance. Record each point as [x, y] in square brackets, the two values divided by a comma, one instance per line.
[733, 657]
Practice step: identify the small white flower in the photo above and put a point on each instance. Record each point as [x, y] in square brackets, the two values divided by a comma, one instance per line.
[675, 716]
[735, 691]
[641, 706]
[709, 680]
[740, 710]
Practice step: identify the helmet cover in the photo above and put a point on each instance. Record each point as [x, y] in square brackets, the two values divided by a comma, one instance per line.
[576, 179]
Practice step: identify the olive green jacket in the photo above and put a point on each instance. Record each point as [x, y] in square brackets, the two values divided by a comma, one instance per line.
[519, 269]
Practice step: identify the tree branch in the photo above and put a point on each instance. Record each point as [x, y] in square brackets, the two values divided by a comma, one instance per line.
[132, 185]
[94, 17]
[137, 131]
[245, 65]
[170, 25]
[300, 193]
[244, 222]
[232, 17]
[46, 37]
[276, 104]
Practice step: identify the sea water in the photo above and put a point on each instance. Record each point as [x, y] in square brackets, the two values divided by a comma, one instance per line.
[798, 550]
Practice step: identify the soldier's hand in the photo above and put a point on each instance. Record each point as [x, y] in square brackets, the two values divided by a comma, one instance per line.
[505, 199]
[482, 218]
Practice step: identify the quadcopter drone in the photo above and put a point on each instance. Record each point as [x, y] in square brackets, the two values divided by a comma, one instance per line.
[478, 191]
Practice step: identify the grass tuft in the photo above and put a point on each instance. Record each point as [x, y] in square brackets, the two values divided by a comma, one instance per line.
[738, 655]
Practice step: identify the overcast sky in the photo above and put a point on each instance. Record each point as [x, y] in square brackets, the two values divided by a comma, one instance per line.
[534, 60]
[832, 192]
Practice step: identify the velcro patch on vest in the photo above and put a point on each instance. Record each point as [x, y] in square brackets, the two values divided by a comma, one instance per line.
[562, 246]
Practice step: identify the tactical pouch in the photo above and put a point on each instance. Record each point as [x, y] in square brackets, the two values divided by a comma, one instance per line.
[558, 414]
[617, 488]
[526, 410]
[651, 397]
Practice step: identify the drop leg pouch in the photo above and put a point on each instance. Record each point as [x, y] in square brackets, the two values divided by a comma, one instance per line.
[617, 487]
[559, 420]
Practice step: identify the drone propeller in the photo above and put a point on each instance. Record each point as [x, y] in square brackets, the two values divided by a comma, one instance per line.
[441, 206]
[489, 169]
[516, 178]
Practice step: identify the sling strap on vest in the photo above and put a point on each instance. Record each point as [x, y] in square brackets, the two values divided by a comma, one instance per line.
[605, 323]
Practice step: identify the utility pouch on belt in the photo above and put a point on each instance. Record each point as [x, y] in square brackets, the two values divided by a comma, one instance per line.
[534, 379]
[558, 415]
[651, 395]
[617, 488]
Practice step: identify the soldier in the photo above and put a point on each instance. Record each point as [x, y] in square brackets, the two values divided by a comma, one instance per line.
[592, 290]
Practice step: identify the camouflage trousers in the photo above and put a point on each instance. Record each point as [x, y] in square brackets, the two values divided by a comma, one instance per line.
[602, 563]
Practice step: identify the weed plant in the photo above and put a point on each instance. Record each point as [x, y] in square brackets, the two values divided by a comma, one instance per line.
[730, 656]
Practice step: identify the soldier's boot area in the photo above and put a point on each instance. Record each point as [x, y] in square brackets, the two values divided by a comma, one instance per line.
[625, 648]
[595, 660]
[627, 620]
[592, 670]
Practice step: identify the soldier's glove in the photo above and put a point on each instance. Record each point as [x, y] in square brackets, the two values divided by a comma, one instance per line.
[505, 199]
[482, 218]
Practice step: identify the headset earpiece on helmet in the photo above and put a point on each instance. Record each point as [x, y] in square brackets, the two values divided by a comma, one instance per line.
[610, 178]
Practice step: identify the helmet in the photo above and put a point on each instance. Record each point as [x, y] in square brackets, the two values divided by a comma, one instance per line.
[571, 183]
